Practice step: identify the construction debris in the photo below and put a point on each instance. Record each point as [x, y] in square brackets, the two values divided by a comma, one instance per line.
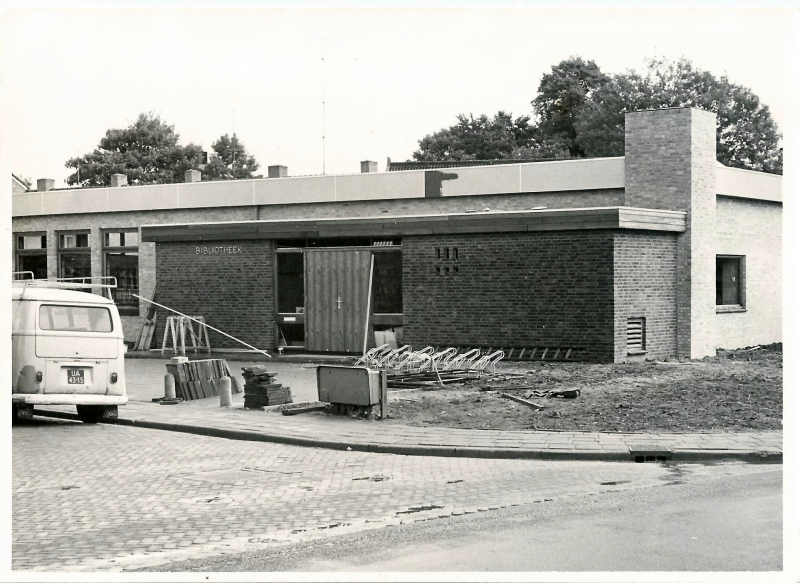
[200, 379]
[530, 404]
[260, 390]
[299, 408]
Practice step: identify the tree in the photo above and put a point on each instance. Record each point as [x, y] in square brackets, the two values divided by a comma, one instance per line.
[147, 152]
[561, 95]
[747, 136]
[478, 138]
[230, 161]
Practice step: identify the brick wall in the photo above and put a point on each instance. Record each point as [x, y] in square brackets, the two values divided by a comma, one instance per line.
[233, 291]
[97, 222]
[670, 163]
[552, 289]
[752, 228]
[447, 204]
[645, 266]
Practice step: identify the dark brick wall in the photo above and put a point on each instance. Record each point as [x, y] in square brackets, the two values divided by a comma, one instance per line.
[645, 280]
[233, 291]
[551, 289]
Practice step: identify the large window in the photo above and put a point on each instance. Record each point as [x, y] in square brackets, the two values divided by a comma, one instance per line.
[32, 254]
[387, 286]
[74, 255]
[291, 283]
[75, 318]
[730, 281]
[121, 260]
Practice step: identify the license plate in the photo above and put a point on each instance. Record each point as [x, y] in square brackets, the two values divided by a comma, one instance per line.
[75, 376]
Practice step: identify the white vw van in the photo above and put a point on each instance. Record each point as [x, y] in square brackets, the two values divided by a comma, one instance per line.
[67, 348]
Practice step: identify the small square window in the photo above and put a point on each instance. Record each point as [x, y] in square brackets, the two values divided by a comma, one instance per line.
[730, 281]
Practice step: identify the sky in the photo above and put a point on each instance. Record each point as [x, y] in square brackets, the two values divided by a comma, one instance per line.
[390, 75]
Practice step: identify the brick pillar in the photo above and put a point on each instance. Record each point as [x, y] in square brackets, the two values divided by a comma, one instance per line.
[52, 254]
[670, 163]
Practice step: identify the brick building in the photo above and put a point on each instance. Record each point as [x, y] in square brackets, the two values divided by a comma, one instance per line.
[660, 253]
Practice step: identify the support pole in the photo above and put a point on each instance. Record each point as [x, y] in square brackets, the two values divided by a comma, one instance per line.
[384, 407]
[369, 303]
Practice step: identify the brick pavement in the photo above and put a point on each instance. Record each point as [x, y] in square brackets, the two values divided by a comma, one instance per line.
[109, 497]
[322, 430]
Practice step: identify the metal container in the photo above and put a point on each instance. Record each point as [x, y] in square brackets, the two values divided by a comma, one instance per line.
[349, 385]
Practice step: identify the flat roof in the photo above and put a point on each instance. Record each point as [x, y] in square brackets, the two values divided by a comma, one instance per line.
[479, 222]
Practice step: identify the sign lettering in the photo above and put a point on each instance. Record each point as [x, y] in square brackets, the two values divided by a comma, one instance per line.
[218, 250]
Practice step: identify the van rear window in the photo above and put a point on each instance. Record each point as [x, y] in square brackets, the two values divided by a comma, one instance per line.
[75, 318]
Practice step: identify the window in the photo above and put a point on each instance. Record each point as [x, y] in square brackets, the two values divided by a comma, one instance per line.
[74, 255]
[730, 281]
[73, 241]
[32, 254]
[121, 260]
[387, 285]
[75, 318]
[291, 283]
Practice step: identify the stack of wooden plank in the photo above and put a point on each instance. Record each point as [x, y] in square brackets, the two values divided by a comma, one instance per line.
[261, 390]
[200, 379]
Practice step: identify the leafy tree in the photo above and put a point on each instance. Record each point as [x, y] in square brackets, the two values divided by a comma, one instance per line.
[747, 136]
[230, 161]
[561, 95]
[147, 152]
[478, 138]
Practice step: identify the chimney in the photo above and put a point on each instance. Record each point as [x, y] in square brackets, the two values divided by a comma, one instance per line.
[368, 166]
[118, 180]
[277, 172]
[191, 176]
[45, 184]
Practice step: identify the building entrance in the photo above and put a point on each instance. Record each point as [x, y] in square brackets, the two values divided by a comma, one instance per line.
[336, 295]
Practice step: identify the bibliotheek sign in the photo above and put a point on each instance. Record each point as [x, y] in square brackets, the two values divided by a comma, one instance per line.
[218, 250]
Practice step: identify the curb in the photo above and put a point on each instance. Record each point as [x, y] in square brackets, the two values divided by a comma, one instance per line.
[620, 455]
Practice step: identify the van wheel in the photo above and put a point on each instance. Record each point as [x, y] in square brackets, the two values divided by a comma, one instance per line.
[90, 413]
[21, 413]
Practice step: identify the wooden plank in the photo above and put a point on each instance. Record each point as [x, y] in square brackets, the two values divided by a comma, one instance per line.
[530, 404]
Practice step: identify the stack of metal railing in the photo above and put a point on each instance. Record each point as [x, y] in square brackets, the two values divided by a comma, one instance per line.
[425, 367]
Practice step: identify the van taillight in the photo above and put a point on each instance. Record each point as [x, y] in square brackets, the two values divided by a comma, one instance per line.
[38, 376]
[113, 377]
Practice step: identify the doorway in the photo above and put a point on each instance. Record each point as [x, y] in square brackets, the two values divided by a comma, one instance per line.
[336, 295]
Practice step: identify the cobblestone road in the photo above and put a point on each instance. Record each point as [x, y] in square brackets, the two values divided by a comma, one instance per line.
[108, 497]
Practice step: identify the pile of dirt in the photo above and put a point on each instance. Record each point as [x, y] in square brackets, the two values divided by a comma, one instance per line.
[739, 390]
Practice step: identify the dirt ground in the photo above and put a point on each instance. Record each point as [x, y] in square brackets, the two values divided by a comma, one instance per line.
[737, 390]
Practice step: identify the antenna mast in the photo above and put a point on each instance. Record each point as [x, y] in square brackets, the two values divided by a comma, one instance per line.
[323, 105]
[233, 123]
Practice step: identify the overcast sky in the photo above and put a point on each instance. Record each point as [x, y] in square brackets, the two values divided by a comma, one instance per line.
[391, 76]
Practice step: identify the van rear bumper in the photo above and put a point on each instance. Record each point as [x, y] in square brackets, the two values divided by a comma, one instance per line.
[51, 399]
